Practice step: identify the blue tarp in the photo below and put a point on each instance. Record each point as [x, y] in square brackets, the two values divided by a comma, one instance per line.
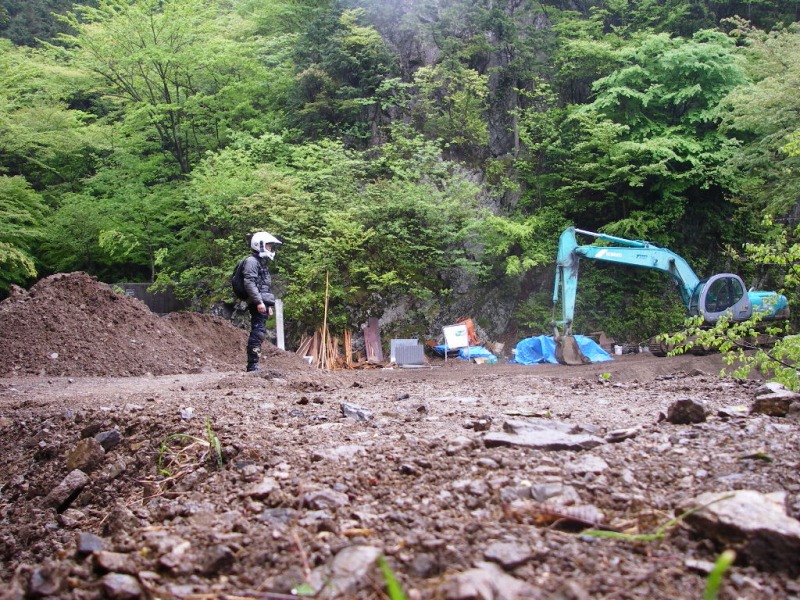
[474, 352]
[542, 349]
[465, 353]
[441, 348]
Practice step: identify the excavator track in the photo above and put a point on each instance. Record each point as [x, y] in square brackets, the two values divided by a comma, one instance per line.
[761, 340]
[660, 348]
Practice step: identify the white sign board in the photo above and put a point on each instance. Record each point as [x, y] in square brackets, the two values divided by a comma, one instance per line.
[456, 336]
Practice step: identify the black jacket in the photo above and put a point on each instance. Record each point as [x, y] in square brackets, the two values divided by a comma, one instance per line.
[257, 281]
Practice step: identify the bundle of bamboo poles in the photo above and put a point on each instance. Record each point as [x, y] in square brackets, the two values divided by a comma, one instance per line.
[324, 350]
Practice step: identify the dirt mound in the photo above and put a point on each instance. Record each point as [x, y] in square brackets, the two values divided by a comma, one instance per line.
[73, 325]
[219, 338]
[212, 335]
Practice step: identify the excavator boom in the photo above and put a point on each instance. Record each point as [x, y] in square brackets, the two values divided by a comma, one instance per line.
[634, 253]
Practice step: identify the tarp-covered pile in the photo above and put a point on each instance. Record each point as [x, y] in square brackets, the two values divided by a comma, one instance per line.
[542, 349]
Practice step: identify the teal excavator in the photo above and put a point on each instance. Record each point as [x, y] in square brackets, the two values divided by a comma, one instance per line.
[711, 298]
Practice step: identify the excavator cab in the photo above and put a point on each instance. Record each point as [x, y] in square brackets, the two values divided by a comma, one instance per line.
[719, 295]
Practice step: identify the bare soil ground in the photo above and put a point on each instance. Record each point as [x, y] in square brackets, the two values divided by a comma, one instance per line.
[316, 473]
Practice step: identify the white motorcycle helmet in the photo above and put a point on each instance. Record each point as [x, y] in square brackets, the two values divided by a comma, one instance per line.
[264, 244]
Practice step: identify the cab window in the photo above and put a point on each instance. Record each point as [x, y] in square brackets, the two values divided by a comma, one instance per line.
[723, 294]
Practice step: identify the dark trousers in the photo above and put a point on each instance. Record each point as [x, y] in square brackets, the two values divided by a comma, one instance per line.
[258, 328]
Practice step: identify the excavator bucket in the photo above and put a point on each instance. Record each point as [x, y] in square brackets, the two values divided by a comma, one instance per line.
[568, 352]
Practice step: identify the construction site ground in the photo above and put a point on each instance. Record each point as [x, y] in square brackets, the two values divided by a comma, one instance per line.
[141, 461]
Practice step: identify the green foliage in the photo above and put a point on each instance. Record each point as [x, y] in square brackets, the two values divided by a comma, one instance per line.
[631, 305]
[411, 157]
[214, 443]
[22, 214]
[585, 52]
[279, 17]
[781, 253]
[538, 126]
[739, 342]
[26, 21]
[661, 531]
[792, 147]
[657, 116]
[645, 155]
[389, 239]
[377, 239]
[451, 102]
[174, 65]
[229, 196]
[745, 346]
[393, 588]
[519, 244]
[180, 453]
[342, 61]
[535, 315]
[742, 343]
[71, 240]
[764, 116]
[42, 137]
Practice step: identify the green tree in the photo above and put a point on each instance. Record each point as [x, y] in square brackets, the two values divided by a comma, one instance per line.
[378, 228]
[44, 135]
[71, 237]
[738, 341]
[647, 152]
[764, 116]
[175, 67]
[341, 62]
[24, 22]
[584, 51]
[274, 18]
[451, 104]
[22, 215]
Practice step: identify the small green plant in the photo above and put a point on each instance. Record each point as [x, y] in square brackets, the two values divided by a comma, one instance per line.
[717, 574]
[738, 342]
[304, 589]
[213, 440]
[605, 377]
[178, 452]
[659, 534]
[392, 585]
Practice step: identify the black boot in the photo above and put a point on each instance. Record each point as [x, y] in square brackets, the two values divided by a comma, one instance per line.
[253, 354]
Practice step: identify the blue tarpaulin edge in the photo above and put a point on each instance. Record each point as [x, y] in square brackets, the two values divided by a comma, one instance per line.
[465, 353]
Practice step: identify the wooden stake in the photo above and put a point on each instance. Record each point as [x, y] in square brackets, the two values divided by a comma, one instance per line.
[347, 342]
[325, 321]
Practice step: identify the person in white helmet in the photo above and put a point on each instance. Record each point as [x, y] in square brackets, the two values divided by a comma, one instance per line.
[258, 284]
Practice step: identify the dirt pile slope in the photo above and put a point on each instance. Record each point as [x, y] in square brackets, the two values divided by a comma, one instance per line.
[73, 325]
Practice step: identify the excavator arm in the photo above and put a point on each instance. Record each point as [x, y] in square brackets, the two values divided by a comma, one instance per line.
[633, 253]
